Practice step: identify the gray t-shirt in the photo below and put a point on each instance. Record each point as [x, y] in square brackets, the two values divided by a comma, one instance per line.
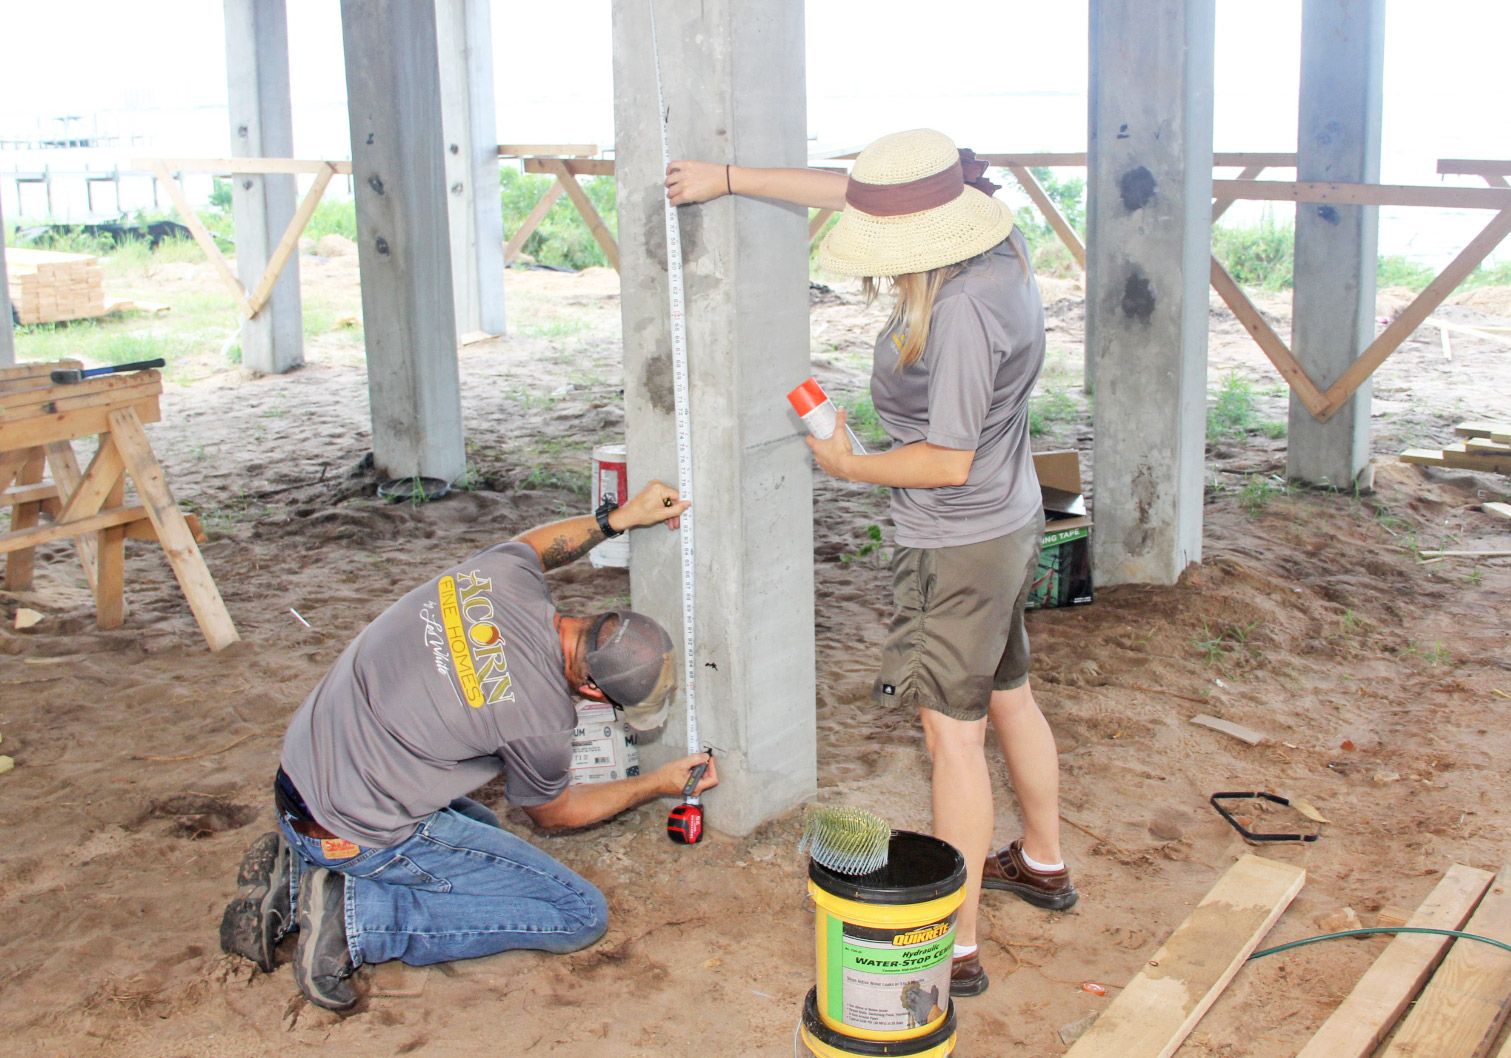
[969, 390]
[461, 679]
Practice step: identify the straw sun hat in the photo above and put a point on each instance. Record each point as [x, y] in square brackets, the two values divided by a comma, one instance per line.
[914, 202]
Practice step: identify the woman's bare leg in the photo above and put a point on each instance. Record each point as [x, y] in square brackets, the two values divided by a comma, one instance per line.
[962, 802]
[1033, 764]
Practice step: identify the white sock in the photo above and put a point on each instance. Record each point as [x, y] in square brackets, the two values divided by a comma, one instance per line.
[963, 950]
[1042, 868]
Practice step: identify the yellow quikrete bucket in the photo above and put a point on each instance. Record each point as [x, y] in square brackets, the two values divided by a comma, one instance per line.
[884, 945]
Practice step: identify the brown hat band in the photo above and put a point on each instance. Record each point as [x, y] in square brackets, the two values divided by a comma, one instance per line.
[915, 196]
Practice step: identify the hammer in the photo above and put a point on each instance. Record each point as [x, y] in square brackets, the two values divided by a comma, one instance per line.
[69, 377]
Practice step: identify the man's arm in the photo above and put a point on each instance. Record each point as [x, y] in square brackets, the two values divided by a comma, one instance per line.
[569, 539]
[580, 806]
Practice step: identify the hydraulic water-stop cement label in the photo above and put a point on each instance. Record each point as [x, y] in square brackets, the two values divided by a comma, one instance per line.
[889, 980]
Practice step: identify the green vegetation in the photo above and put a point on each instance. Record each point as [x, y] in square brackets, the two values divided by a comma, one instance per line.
[860, 415]
[1234, 413]
[1051, 406]
[562, 239]
[1069, 197]
[1258, 491]
[871, 545]
[1222, 644]
[1261, 256]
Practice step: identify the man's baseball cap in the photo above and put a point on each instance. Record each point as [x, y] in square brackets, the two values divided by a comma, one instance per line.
[630, 660]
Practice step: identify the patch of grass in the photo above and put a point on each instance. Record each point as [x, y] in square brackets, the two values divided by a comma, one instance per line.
[1234, 412]
[1436, 654]
[555, 327]
[333, 217]
[1051, 406]
[871, 544]
[862, 418]
[1221, 644]
[578, 481]
[1400, 272]
[1258, 490]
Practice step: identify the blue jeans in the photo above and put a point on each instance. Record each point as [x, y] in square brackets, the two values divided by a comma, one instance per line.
[459, 887]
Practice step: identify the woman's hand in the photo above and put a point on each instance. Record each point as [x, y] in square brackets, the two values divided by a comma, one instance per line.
[654, 503]
[688, 182]
[834, 455]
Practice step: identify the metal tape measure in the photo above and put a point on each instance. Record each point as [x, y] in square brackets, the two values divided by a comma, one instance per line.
[690, 832]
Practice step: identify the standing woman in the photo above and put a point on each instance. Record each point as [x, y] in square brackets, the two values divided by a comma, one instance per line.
[950, 381]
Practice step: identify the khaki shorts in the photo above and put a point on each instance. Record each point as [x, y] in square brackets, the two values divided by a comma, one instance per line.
[958, 633]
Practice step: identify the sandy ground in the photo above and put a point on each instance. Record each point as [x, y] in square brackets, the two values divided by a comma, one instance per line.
[143, 761]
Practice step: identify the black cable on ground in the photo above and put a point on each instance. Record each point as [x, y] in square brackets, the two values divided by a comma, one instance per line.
[1380, 929]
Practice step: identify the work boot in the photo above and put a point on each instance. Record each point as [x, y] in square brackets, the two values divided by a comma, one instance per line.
[1050, 890]
[967, 978]
[323, 964]
[258, 917]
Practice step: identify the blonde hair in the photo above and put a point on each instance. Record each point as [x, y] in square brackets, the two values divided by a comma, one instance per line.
[914, 306]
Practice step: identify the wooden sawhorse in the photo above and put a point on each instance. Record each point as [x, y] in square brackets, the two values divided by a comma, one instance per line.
[38, 421]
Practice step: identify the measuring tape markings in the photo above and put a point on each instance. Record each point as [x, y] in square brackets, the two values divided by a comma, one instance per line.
[681, 405]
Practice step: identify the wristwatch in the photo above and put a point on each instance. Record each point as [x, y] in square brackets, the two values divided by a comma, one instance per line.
[607, 507]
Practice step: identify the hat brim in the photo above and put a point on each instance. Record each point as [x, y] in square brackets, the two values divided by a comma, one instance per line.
[861, 244]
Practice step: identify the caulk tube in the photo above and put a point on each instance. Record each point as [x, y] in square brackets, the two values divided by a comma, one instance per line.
[817, 411]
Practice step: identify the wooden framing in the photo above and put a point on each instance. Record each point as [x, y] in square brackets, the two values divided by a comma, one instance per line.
[1322, 404]
[38, 422]
[566, 162]
[250, 304]
[1387, 988]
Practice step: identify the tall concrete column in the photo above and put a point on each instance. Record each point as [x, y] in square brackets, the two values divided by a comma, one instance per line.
[1333, 308]
[735, 91]
[262, 126]
[1149, 191]
[7, 332]
[477, 221]
[393, 95]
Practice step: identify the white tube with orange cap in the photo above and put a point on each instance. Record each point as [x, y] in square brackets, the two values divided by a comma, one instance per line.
[818, 413]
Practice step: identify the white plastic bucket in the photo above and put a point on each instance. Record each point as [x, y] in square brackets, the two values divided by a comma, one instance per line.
[610, 478]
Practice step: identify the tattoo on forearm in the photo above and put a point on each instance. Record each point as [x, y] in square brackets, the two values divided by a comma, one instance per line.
[560, 551]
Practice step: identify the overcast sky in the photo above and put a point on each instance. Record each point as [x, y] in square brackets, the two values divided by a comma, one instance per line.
[1445, 64]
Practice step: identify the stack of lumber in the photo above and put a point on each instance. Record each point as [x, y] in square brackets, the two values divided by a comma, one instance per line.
[49, 287]
[1486, 446]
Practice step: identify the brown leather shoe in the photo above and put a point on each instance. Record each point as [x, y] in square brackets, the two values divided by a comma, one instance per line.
[967, 978]
[1006, 870]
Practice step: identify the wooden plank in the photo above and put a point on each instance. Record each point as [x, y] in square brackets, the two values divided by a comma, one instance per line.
[1461, 1010]
[289, 244]
[538, 214]
[228, 166]
[816, 225]
[110, 551]
[1477, 445]
[1227, 727]
[43, 534]
[1473, 167]
[1222, 205]
[1483, 429]
[1362, 194]
[64, 467]
[1376, 1003]
[19, 401]
[1269, 342]
[144, 530]
[1051, 213]
[17, 494]
[575, 166]
[20, 563]
[1502, 509]
[178, 542]
[584, 206]
[35, 369]
[43, 429]
[1420, 308]
[1163, 1003]
[553, 150]
[105, 469]
[202, 236]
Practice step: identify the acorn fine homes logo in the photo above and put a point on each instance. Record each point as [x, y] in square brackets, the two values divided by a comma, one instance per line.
[473, 639]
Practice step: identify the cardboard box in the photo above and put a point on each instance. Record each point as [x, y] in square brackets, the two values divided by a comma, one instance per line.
[603, 749]
[1064, 574]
